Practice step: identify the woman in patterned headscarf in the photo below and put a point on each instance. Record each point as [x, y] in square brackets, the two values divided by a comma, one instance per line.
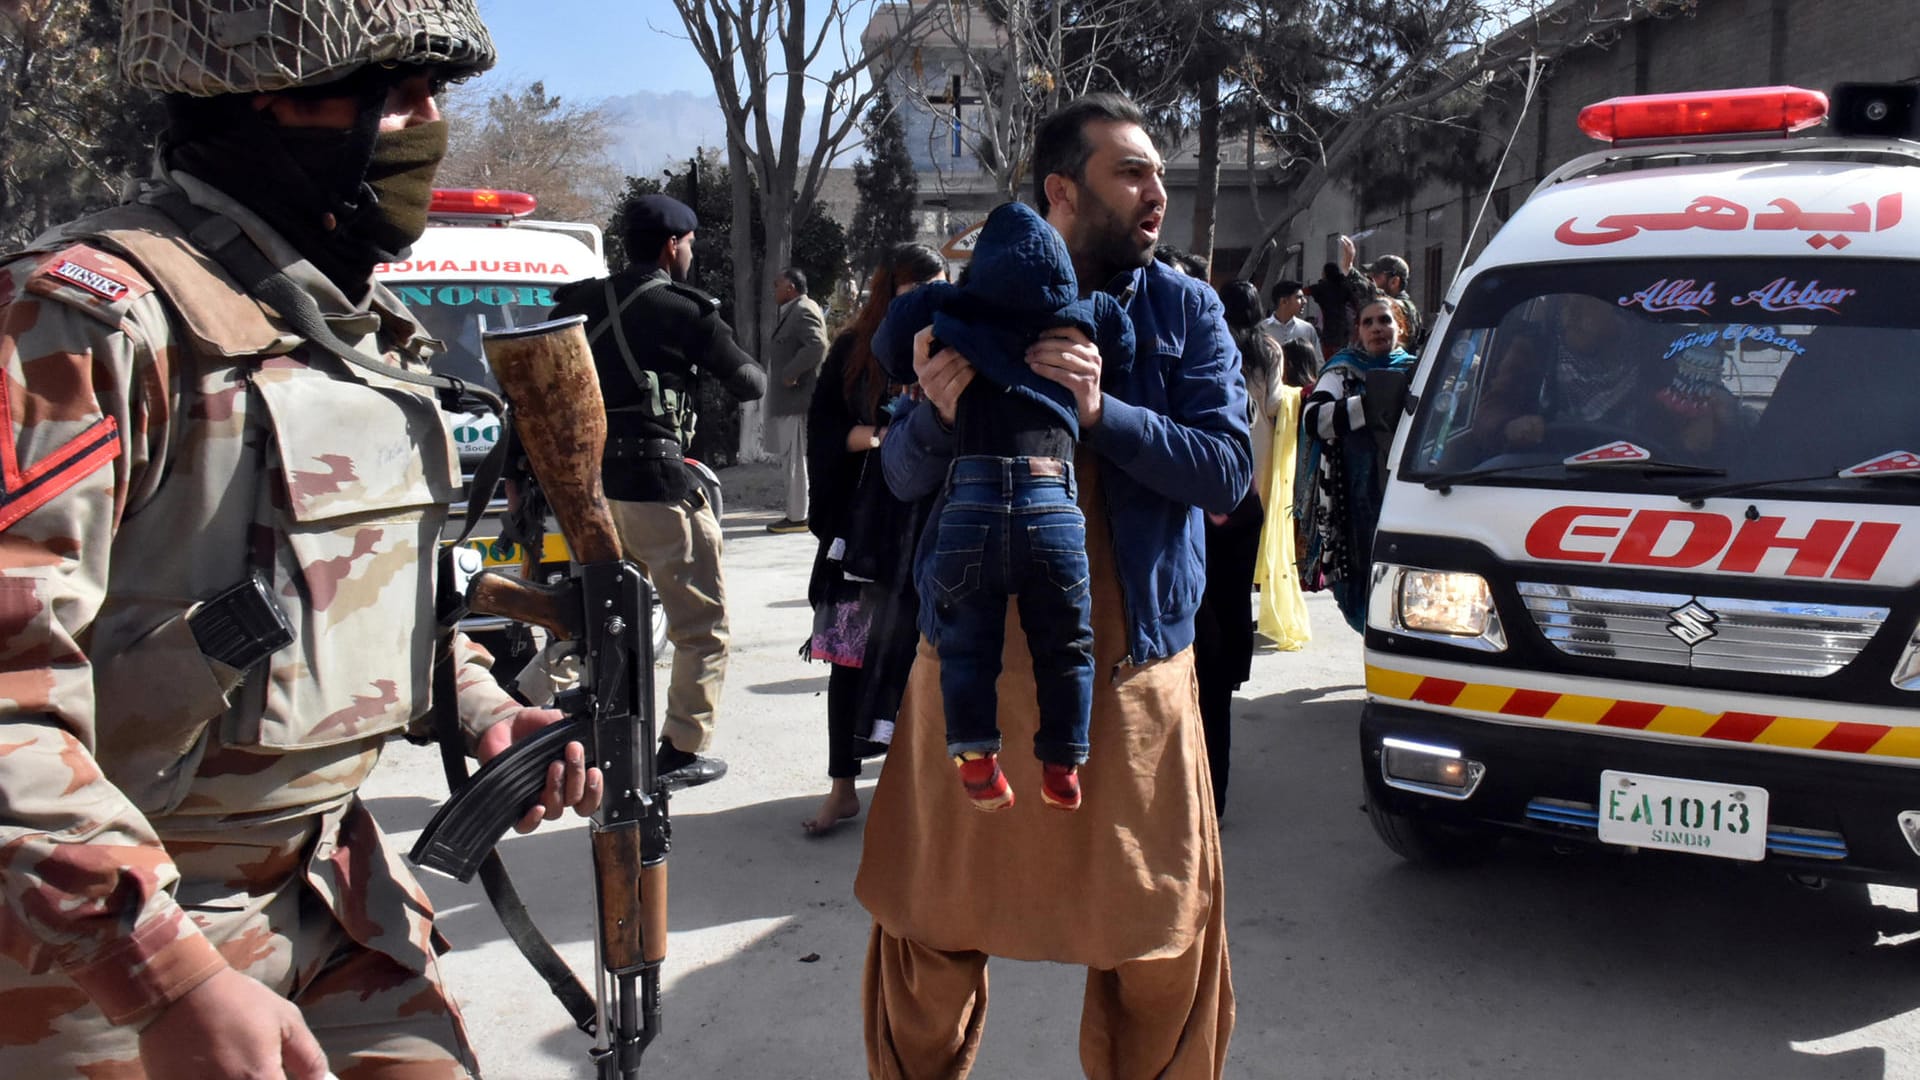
[1340, 481]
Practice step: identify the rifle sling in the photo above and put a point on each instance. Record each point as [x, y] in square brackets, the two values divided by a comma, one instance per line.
[229, 246]
[507, 905]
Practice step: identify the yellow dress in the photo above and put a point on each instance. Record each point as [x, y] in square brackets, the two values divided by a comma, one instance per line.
[1282, 614]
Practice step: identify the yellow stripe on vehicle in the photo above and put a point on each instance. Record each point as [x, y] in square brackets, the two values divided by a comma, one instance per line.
[1785, 732]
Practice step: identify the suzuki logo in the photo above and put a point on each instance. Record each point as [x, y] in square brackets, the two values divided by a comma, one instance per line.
[1691, 623]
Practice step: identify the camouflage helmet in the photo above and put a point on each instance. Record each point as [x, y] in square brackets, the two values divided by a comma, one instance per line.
[204, 48]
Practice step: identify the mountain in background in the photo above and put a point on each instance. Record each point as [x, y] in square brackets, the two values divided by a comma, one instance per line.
[647, 131]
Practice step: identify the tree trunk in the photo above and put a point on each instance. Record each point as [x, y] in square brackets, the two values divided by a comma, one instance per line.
[746, 295]
[1206, 194]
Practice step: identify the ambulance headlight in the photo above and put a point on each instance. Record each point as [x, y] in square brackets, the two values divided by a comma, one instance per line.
[1435, 605]
[1906, 673]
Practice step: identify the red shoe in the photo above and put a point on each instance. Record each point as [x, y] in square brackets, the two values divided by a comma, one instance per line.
[1060, 785]
[986, 785]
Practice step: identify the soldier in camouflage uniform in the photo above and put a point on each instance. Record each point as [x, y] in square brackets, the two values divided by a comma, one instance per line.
[189, 883]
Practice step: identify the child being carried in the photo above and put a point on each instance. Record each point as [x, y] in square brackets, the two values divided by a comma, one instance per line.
[1010, 523]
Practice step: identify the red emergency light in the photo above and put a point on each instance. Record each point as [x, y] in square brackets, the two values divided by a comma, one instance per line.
[481, 202]
[1761, 110]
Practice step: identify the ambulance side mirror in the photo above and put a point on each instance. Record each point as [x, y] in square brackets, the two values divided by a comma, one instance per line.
[1386, 399]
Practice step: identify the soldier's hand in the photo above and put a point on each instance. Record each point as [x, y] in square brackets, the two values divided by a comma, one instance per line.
[231, 1027]
[943, 375]
[569, 783]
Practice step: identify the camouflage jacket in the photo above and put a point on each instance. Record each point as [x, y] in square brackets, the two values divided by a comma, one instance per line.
[169, 437]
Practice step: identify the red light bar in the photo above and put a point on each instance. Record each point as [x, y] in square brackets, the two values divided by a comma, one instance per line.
[482, 202]
[1763, 110]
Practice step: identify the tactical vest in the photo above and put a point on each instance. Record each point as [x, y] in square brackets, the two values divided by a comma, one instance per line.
[331, 484]
[666, 400]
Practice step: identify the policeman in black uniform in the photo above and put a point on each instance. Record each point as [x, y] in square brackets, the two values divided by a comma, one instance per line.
[650, 332]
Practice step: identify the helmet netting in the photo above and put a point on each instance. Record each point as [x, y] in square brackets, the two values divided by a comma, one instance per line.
[209, 47]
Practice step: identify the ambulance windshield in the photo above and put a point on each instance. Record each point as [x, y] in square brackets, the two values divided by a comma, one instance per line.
[457, 311]
[1784, 372]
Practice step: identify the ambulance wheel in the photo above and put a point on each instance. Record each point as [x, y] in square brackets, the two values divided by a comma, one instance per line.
[660, 642]
[709, 482]
[1428, 843]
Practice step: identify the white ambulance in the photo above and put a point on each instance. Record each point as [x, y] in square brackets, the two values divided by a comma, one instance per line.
[1646, 567]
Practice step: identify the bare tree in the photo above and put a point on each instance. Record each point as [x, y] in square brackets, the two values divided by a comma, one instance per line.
[71, 132]
[517, 136]
[1014, 62]
[766, 57]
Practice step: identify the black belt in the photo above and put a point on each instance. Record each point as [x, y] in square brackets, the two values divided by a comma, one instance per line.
[645, 449]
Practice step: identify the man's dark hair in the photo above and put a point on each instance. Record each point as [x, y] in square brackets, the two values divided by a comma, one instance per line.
[797, 278]
[1283, 287]
[1060, 145]
[1330, 271]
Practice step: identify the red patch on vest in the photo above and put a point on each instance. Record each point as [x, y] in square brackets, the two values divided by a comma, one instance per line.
[106, 276]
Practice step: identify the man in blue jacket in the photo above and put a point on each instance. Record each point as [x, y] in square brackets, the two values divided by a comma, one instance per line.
[1131, 886]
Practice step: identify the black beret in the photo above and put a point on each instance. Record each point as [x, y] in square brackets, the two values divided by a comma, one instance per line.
[661, 213]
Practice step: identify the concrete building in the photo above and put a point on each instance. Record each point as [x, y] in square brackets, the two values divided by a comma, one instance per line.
[937, 84]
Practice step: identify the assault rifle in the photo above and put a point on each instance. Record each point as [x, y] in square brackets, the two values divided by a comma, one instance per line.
[605, 606]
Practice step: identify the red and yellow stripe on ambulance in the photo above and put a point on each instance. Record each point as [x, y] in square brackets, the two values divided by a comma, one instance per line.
[1753, 725]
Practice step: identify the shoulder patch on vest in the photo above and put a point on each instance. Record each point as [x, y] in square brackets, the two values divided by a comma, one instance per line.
[88, 278]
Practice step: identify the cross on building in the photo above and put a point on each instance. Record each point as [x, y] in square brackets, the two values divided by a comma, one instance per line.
[957, 100]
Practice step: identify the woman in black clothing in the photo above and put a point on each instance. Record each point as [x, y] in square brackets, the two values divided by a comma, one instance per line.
[1223, 627]
[862, 585]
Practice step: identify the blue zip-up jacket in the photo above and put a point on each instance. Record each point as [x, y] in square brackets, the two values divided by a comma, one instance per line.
[1173, 441]
[1019, 283]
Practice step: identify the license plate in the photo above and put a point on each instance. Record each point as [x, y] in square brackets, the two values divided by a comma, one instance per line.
[1663, 812]
[502, 553]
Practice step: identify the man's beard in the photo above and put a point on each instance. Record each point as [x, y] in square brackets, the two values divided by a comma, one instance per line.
[1110, 242]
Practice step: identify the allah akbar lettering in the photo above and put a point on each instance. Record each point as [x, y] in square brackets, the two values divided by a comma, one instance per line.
[1781, 294]
[1677, 294]
[1829, 228]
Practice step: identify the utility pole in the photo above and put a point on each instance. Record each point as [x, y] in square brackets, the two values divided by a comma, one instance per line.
[693, 201]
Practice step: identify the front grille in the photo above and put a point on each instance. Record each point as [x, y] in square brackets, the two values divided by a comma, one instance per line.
[1781, 839]
[1729, 633]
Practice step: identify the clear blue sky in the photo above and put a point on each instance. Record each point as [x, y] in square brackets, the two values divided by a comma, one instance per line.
[586, 49]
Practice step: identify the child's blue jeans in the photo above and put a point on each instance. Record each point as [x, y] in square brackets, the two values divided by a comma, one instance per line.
[1011, 527]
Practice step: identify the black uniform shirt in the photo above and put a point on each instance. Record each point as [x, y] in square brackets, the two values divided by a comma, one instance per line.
[673, 330]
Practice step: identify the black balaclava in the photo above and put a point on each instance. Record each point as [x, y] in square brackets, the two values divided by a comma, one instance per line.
[346, 199]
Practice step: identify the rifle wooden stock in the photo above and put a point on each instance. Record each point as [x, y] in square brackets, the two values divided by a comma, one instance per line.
[494, 593]
[633, 894]
[653, 911]
[561, 420]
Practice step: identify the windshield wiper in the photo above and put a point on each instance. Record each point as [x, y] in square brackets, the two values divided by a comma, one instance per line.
[1698, 496]
[1651, 466]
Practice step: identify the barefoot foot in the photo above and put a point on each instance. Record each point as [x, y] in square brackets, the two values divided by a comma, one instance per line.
[834, 809]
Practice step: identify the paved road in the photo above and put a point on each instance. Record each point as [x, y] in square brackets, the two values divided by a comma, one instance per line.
[1347, 963]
